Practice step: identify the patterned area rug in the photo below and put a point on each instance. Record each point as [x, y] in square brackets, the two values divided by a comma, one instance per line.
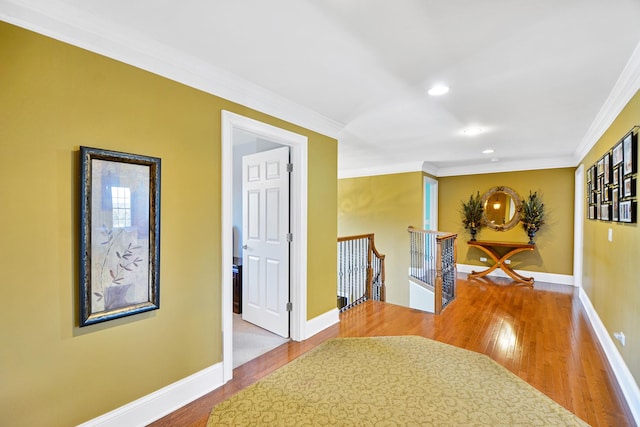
[391, 381]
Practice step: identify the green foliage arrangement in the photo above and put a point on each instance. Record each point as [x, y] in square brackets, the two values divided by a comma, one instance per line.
[532, 213]
[471, 212]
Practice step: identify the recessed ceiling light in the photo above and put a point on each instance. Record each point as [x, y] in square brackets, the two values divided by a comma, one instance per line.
[438, 90]
[488, 151]
[473, 131]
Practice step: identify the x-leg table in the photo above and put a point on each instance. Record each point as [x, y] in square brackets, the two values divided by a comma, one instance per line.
[500, 261]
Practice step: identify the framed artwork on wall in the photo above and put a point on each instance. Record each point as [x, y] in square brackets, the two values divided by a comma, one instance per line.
[627, 211]
[601, 167]
[615, 208]
[611, 182]
[119, 234]
[607, 168]
[620, 175]
[629, 188]
[629, 148]
[616, 154]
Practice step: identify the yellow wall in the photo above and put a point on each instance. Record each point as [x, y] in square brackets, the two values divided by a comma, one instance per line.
[554, 241]
[384, 205]
[323, 229]
[387, 204]
[611, 269]
[54, 98]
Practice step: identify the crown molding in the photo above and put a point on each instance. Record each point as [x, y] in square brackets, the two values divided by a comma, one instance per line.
[497, 167]
[380, 170]
[430, 168]
[624, 89]
[62, 22]
[515, 166]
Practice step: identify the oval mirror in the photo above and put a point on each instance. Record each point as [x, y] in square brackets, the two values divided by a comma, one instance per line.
[501, 208]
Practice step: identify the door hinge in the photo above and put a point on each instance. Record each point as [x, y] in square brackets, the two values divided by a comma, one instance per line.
[289, 306]
[289, 237]
[289, 167]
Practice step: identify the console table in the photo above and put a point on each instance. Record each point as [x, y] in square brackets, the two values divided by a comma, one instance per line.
[500, 260]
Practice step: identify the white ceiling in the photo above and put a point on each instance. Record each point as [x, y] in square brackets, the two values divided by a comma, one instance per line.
[533, 74]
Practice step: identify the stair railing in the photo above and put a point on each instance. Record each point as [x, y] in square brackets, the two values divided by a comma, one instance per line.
[361, 271]
[433, 263]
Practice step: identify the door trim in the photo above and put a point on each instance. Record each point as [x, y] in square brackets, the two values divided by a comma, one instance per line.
[578, 226]
[298, 252]
[433, 202]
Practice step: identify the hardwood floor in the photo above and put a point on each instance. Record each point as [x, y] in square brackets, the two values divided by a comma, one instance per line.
[541, 334]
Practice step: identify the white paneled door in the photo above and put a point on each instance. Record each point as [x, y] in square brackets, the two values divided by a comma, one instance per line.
[265, 255]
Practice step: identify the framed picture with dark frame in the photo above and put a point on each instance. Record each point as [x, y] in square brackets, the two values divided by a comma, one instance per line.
[119, 235]
[615, 207]
[629, 149]
[620, 175]
[601, 186]
[629, 187]
[605, 212]
[627, 211]
[607, 168]
[616, 154]
[601, 167]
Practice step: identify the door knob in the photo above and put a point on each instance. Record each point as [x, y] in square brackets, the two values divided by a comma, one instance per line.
[244, 246]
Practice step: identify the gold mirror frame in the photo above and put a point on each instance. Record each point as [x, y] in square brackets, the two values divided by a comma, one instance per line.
[516, 216]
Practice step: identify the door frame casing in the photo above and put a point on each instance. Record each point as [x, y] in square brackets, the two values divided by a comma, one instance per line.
[298, 218]
[578, 226]
[433, 202]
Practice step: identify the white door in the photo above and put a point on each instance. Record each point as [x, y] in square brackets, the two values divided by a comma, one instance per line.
[265, 256]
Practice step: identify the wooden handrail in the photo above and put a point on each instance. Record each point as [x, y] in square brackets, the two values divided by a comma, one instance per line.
[439, 234]
[355, 237]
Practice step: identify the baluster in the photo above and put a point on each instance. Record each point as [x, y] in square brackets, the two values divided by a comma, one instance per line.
[360, 271]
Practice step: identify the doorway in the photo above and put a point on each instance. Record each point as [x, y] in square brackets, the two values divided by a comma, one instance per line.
[234, 128]
[430, 200]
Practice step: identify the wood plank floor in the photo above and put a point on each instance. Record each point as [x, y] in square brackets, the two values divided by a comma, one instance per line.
[541, 334]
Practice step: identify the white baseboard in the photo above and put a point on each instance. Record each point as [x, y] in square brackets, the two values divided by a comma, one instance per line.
[322, 322]
[156, 405]
[626, 381]
[149, 408]
[559, 279]
[621, 371]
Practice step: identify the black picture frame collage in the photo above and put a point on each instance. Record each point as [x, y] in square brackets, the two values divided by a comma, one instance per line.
[611, 183]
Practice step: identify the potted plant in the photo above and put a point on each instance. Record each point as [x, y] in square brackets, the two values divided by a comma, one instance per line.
[472, 214]
[532, 215]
